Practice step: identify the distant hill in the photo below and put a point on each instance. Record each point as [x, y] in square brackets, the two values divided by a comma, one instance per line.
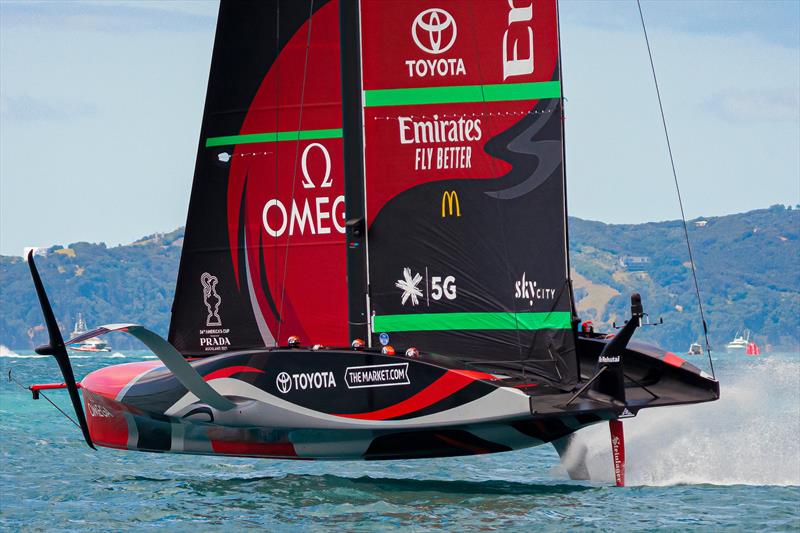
[131, 283]
[748, 267]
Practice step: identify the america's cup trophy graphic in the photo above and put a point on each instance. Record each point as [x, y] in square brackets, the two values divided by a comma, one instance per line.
[211, 299]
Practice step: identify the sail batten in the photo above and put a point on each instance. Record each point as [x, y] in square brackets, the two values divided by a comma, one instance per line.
[462, 94]
[473, 321]
[299, 135]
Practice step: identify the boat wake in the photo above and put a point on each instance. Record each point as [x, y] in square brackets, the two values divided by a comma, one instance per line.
[5, 351]
[748, 437]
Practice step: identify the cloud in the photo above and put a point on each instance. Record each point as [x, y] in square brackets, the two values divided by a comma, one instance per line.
[30, 109]
[767, 105]
[113, 17]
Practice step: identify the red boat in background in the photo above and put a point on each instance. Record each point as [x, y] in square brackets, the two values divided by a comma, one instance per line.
[753, 349]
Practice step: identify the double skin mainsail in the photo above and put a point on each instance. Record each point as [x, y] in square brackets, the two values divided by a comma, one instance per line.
[462, 184]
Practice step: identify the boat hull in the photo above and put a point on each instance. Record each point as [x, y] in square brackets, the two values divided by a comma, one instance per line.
[332, 404]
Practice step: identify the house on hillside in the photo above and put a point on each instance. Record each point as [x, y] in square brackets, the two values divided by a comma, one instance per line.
[635, 263]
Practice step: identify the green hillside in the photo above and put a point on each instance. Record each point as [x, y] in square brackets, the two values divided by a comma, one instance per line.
[132, 283]
[748, 267]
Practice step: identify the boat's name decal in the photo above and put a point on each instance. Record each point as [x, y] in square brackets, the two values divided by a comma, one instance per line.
[285, 382]
[98, 411]
[608, 359]
[359, 377]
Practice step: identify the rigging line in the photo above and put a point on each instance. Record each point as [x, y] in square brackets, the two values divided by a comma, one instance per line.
[678, 189]
[267, 290]
[563, 110]
[43, 395]
[296, 156]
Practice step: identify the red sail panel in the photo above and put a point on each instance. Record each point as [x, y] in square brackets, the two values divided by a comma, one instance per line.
[464, 180]
[264, 253]
[466, 51]
[294, 190]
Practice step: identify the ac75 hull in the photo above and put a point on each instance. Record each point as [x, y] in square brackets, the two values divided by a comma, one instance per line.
[345, 404]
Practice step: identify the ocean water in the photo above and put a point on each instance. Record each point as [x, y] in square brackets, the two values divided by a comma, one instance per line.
[732, 464]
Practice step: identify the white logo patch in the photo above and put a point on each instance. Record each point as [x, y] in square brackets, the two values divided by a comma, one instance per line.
[211, 299]
[283, 382]
[409, 286]
[304, 380]
[360, 377]
[529, 290]
[431, 28]
[215, 338]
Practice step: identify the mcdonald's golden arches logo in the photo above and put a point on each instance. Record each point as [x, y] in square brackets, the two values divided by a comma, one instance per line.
[450, 204]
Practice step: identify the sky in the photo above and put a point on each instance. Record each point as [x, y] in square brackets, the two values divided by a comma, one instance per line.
[101, 103]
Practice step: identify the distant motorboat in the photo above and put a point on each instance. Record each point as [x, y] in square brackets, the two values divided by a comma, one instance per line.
[695, 349]
[739, 342]
[89, 345]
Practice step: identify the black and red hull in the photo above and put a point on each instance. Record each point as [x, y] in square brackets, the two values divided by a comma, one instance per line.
[346, 404]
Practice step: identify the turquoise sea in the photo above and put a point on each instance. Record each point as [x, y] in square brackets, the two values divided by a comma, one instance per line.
[733, 464]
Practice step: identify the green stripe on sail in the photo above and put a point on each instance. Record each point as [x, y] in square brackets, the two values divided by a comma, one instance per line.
[302, 135]
[471, 321]
[463, 93]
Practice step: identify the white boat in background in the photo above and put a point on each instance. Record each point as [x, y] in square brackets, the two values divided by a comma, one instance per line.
[695, 349]
[89, 345]
[739, 342]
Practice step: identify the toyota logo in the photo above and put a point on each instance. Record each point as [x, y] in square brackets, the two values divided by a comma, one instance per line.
[283, 382]
[432, 28]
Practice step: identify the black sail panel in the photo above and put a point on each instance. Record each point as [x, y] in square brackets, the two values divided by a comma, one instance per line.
[464, 178]
[263, 255]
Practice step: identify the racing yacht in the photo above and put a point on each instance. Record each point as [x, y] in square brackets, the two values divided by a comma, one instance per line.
[375, 263]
